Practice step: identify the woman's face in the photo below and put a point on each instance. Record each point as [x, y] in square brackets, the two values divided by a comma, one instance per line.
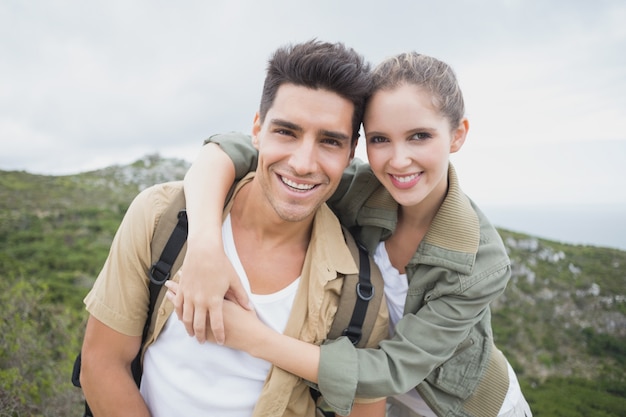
[409, 143]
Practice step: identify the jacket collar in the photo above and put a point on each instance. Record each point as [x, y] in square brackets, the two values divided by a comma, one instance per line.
[327, 241]
[453, 237]
[455, 226]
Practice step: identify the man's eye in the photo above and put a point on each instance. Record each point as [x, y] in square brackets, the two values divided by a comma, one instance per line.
[332, 142]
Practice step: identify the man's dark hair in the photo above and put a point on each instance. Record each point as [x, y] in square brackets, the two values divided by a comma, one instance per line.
[319, 65]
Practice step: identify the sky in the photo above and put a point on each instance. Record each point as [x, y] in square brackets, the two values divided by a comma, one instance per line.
[88, 84]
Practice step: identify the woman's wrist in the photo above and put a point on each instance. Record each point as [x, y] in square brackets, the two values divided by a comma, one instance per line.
[207, 235]
[291, 354]
[262, 342]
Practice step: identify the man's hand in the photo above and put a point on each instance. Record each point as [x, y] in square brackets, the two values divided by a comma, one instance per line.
[205, 281]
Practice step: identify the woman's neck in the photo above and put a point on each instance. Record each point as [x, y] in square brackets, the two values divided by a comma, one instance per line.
[413, 224]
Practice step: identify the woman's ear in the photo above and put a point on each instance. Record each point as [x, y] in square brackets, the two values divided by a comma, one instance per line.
[459, 135]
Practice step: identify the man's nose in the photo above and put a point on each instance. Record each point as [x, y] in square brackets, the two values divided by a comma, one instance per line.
[304, 157]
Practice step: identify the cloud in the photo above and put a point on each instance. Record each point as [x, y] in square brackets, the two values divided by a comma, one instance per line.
[87, 84]
[567, 86]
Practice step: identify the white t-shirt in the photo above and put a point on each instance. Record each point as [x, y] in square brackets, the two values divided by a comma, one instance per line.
[182, 377]
[396, 288]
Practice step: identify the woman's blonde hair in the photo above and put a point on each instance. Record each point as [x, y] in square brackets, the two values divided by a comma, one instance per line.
[434, 76]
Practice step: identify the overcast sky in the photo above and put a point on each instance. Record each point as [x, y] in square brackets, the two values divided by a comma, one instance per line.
[87, 84]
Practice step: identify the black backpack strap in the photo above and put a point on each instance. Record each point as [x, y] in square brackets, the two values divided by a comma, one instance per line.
[359, 303]
[364, 293]
[168, 260]
[159, 273]
[168, 246]
[360, 299]
[161, 270]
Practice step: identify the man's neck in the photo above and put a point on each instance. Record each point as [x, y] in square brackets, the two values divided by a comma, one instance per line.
[271, 250]
[252, 212]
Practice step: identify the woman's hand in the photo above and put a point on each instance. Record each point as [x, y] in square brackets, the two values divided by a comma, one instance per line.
[209, 275]
[244, 331]
[241, 326]
[205, 281]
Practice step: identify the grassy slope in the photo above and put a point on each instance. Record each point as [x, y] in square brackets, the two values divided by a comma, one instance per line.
[561, 320]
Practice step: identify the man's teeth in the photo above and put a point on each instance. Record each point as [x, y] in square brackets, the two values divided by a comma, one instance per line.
[405, 178]
[303, 187]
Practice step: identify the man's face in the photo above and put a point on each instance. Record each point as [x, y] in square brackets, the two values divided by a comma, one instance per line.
[304, 146]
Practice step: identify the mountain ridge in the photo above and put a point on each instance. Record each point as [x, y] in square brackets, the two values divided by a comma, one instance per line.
[562, 317]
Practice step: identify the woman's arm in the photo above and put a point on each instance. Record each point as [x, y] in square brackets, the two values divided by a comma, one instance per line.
[375, 409]
[247, 333]
[424, 340]
[208, 276]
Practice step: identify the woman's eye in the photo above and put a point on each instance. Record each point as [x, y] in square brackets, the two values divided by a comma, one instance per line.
[421, 136]
[377, 139]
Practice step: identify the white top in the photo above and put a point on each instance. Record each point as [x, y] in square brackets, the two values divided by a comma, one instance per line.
[182, 377]
[396, 288]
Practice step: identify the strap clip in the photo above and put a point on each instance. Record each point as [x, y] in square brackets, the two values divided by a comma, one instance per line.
[365, 291]
[157, 275]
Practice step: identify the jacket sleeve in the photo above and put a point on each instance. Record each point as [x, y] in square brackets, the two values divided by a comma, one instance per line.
[433, 336]
[239, 148]
[356, 185]
[380, 332]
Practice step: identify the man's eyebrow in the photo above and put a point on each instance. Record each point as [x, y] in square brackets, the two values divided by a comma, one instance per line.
[327, 133]
[335, 135]
[286, 124]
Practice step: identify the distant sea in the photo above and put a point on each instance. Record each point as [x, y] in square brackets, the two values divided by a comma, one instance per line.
[603, 226]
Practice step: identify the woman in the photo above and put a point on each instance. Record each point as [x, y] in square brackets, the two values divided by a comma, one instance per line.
[441, 259]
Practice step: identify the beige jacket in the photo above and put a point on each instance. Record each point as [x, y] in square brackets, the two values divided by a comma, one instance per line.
[120, 295]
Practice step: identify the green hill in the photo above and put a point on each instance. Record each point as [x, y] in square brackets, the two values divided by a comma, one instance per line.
[561, 321]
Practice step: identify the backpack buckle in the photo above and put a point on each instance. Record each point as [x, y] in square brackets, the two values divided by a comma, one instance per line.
[365, 291]
[157, 275]
[353, 333]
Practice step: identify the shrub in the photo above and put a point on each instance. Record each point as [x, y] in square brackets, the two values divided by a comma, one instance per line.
[38, 342]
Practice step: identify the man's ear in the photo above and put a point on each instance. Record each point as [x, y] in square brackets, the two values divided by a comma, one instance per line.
[256, 129]
[355, 142]
[459, 135]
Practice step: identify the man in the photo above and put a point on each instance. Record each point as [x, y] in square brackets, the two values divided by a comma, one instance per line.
[287, 246]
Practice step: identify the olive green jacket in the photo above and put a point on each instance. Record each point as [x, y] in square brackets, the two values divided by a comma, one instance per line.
[443, 346]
